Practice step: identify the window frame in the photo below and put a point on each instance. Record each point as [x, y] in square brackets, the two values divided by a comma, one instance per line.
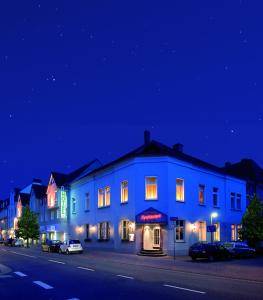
[179, 226]
[201, 189]
[181, 192]
[215, 196]
[123, 194]
[145, 188]
[74, 205]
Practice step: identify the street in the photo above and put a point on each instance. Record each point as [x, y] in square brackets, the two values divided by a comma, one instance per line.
[33, 274]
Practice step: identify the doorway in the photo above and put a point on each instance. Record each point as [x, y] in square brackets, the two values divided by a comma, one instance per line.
[151, 237]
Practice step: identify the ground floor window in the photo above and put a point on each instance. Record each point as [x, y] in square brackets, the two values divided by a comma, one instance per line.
[127, 230]
[239, 227]
[202, 231]
[87, 231]
[179, 230]
[217, 232]
[233, 232]
[103, 231]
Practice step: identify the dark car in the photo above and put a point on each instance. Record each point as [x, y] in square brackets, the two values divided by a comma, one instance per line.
[211, 251]
[51, 246]
[9, 242]
[240, 249]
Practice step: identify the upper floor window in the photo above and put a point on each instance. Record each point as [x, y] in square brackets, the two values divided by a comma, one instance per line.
[238, 201]
[124, 191]
[179, 189]
[201, 194]
[233, 200]
[74, 204]
[104, 197]
[87, 201]
[215, 196]
[151, 190]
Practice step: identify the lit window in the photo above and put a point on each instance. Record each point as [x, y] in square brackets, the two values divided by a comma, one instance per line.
[100, 198]
[239, 236]
[215, 196]
[233, 200]
[151, 188]
[179, 231]
[103, 231]
[87, 201]
[125, 230]
[217, 232]
[201, 194]
[202, 231]
[179, 189]
[74, 202]
[233, 232]
[238, 200]
[124, 191]
[107, 196]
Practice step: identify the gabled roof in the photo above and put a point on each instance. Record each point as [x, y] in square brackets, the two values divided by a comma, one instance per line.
[59, 178]
[39, 190]
[155, 148]
[247, 169]
[25, 198]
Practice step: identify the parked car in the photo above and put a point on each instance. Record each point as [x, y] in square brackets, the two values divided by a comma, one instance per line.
[51, 246]
[240, 249]
[211, 251]
[18, 243]
[9, 242]
[71, 246]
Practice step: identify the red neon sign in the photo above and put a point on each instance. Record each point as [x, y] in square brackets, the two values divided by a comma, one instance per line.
[150, 217]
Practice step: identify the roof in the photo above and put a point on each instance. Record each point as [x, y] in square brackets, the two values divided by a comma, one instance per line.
[247, 169]
[62, 179]
[155, 148]
[25, 198]
[39, 190]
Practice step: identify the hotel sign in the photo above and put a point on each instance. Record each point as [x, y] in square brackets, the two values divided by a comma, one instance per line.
[151, 215]
[63, 204]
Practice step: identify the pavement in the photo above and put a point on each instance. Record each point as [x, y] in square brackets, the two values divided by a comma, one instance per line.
[37, 275]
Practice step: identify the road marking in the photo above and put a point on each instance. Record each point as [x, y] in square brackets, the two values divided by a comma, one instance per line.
[22, 254]
[87, 269]
[56, 261]
[43, 285]
[123, 276]
[185, 289]
[73, 299]
[4, 250]
[20, 274]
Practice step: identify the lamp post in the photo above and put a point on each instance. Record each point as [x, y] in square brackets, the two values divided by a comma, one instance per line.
[213, 215]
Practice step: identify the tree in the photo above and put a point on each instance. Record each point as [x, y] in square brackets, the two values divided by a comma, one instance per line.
[252, 222]
[28, 227]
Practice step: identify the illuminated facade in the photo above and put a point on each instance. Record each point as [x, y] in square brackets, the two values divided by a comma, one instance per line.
[156, 199]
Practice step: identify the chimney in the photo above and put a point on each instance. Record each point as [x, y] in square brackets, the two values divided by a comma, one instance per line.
[178, 147]
[227, 164]
[147, 137]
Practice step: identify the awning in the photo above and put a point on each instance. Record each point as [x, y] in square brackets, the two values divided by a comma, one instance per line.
[151, 216]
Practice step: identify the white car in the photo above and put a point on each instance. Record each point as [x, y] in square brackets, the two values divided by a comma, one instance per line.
[18, 243]
[71, 246]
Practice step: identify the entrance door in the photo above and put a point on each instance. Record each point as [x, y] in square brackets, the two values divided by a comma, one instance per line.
[151, 237]
[156, 237]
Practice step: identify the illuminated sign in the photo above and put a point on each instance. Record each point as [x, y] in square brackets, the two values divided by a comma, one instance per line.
[151, 215]
[63, 204]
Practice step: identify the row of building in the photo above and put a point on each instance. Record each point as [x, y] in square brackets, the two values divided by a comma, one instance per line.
[155, 199]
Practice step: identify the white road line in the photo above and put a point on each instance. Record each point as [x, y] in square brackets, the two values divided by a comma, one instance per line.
[56, 261]
[20, 274]
[185, 289]
[43, 285]
[87, 269]
[123, 276]
[22, 254]
[4, 250]
[73, 299]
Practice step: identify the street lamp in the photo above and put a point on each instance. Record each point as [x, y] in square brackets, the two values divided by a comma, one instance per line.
[213, 215]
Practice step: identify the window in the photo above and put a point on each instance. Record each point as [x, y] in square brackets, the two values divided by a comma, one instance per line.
[74, 202]
[239, 227]
[151, 188]
[87, 231]
[179, 189]
[201, 194]
[52, 215]
[217, 232]
[58, 213]
[179, 231]
[125, 230]
[233, 232]
[215, 196]
[233, 200]
[103, 231]
[202, 231]
[124, 191]
[87, 201]
[238, 200]
[104, 197]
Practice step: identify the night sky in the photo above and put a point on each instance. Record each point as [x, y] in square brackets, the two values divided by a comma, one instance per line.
[83, 79]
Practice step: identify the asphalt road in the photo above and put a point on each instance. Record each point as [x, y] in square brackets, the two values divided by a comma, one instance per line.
[37, 275]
